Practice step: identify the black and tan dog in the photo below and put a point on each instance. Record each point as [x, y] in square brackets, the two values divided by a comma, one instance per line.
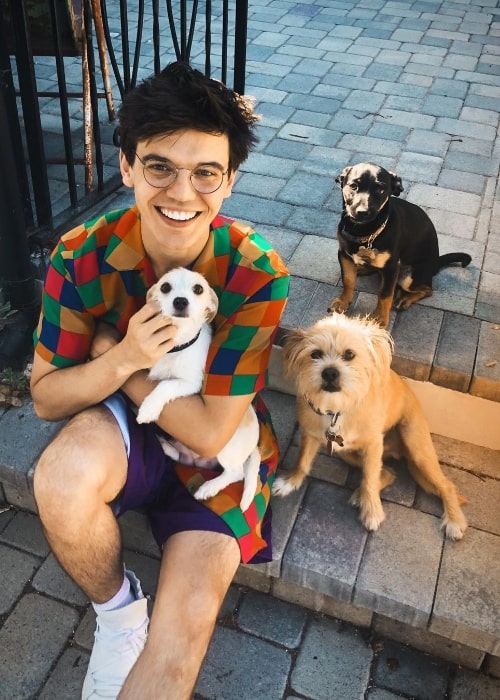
[378, 232]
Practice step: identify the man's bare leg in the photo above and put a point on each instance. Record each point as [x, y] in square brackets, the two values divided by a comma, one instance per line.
[196, 571]
[79, 473]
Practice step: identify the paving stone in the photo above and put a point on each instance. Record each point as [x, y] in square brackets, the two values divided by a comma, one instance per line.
[25, 532]
[22, 437]
[455, 353]
[426, 641]
[467, 604]
[415, 334]
[482, 494]
[398, 575]
[467, 456]
[271, 619]
[333, 607]
[66, 679]
[472, 686]
[400, 668]
[34, 634]
[51, 579]
[226, 675]
[17, 568]
[316, 257]
[326, 545]
[486, 379]
[333, 662]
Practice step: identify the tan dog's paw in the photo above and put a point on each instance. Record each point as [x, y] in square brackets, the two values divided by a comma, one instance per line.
[455, 530]
[371, 512]
[284, 485]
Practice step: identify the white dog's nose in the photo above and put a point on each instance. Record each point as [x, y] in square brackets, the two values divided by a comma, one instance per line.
[180, 303]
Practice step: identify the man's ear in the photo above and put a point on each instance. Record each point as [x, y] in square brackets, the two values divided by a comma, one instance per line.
[126, 170]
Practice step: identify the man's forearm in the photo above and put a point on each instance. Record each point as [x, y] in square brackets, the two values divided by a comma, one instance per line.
[64, 392]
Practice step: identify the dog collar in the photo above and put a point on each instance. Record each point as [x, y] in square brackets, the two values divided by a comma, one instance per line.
[330, 435]
[368, 240]
[178, 348]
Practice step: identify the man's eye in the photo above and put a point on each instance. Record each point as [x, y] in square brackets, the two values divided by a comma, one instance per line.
[205, 172]
[160, 168]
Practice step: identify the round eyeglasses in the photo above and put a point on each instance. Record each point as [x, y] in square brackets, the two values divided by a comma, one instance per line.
[205, 178]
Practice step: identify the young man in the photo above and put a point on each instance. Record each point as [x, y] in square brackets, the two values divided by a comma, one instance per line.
[183, 137]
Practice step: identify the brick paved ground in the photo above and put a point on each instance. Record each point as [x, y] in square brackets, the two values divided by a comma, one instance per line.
[415, 86]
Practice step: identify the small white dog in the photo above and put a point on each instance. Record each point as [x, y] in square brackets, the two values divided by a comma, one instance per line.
[191, 304]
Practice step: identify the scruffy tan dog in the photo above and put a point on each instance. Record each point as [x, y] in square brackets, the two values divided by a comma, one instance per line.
[348, 397]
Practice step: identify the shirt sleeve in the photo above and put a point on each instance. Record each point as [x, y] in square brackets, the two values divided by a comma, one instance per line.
[245, 328]
[65, 328]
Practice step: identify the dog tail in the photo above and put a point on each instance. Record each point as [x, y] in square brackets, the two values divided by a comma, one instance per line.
[450, 258]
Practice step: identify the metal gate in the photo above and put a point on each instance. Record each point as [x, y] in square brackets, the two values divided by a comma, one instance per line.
[64, 65]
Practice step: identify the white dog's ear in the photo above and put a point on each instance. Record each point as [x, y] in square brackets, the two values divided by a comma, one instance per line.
[150, 292]
[211, 310]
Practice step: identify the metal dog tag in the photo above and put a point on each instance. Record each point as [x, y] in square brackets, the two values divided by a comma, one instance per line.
[367, 254]
[332, 437]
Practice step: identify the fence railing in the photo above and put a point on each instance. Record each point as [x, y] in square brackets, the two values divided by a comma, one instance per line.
[64, 66]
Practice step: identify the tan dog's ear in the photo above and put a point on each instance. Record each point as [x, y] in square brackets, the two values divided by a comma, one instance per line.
[380, 345]
[292, 346]
[211, 310]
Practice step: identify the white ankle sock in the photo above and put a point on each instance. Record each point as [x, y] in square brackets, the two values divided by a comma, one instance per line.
[123, 597]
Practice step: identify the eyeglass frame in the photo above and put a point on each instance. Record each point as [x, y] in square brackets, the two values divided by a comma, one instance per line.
[176, 169]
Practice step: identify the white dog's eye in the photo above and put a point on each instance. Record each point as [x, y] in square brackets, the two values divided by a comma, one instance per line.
[353, 186]
[166, 288]
[348, 355]
[316, 354]
[198, 289]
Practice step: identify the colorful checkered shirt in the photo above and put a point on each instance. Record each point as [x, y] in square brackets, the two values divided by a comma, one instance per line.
[99, 272]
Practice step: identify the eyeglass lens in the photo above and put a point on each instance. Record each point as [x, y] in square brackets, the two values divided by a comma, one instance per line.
[204, 178]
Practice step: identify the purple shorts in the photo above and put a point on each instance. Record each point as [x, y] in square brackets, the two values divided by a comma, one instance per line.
[153, 486]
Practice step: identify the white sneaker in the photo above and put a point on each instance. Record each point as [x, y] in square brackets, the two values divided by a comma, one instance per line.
[120, 637]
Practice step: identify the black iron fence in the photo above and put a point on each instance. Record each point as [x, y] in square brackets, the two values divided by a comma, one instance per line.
[64, 67]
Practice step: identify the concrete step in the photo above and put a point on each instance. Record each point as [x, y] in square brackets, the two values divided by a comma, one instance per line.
[406, 581]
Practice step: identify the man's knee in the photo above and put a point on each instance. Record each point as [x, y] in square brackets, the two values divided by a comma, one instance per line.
[87, 456]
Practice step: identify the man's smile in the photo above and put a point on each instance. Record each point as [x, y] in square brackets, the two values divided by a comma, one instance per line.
[178, 215]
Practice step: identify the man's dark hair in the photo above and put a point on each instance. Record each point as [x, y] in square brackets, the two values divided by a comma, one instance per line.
[180, 98]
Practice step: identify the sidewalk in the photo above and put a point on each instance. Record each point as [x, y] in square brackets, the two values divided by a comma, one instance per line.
[414, 86]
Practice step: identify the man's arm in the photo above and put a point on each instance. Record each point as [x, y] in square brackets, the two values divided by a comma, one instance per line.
[58, 393]
[203, 423]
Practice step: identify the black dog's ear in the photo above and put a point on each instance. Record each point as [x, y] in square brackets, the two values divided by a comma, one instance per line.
[396, 184]
[342, 177]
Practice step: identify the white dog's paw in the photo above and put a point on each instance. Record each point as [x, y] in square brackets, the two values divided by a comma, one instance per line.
[246, 501]
[284, 485]
[148, 412]
[207, 490]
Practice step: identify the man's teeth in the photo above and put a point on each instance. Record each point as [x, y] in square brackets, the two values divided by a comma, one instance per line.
[178, 215]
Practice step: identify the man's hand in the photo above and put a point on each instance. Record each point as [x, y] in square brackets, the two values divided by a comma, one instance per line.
[149, 336]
